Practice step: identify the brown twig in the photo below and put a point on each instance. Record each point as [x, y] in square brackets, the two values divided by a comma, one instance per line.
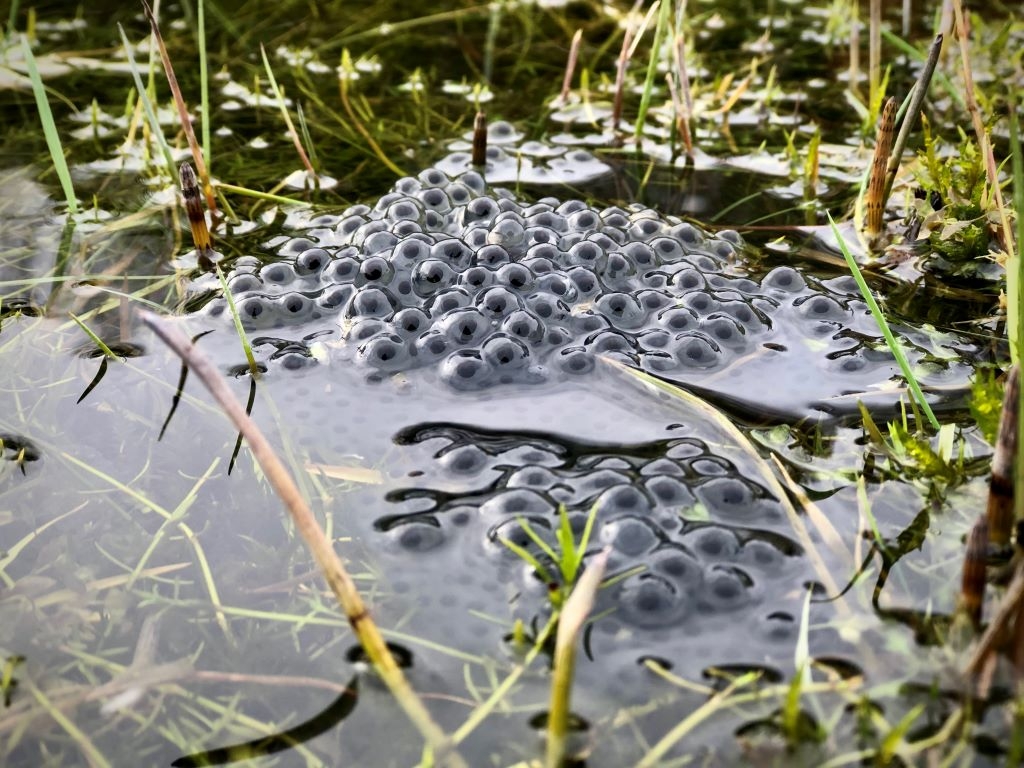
[910, 117]
[183, 116]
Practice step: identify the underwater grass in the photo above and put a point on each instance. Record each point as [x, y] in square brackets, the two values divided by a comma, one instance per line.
[330, 564]
[53, 143]
[890, 339]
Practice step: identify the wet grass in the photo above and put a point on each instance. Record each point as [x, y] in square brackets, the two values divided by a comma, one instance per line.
[370, 128]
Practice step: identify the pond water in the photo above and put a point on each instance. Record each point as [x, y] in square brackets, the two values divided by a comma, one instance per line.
[442, 354]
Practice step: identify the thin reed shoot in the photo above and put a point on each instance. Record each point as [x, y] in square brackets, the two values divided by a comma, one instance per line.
[890, 339]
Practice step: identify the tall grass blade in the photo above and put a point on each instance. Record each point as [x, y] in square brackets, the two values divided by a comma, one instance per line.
[204, 84]
[652, 69]
[12, 18]
[1015, 288]
[60, 164]
[287, 117]
[890, 340]
[250, 358]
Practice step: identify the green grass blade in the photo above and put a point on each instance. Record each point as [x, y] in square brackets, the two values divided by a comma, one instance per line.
[60, 164]
[652, 68]
[536, 539]
[204, 83]
[250, 358]
[12, 18]
[525, 556]
[1015, 285]
[890, 340]
[95, 339]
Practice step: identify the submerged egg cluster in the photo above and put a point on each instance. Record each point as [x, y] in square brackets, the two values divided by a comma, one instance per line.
[694, 536]
[495, 290]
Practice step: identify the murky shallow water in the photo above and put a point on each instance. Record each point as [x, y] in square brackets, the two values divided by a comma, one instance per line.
[114, 512]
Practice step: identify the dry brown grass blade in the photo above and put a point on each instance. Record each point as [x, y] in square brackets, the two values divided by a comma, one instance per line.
[620, 72]
[330, 564]
[279, 95]
[196, 217]
[972, 584]
[179, 102]
[480, 139]
[999, 511]
[681, 95]
[570, 64]
[874, 201]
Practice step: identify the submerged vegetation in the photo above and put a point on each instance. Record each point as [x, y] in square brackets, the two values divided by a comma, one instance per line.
[747, 584]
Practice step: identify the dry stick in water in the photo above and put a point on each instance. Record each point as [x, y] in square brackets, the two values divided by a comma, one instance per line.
[620, 75]
[330, 564]
[910, 117]
[179, 102]
[999, 511]
[972, 583]
[480, 139]
[570, 65]
[874, 203]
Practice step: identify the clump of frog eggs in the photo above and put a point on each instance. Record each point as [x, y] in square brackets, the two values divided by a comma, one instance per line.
[493, 290]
